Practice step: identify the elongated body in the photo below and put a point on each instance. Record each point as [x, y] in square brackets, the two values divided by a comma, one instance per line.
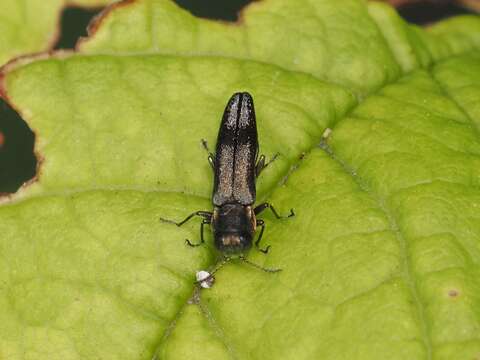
[236, 153]
[233, 221]
[236, 165]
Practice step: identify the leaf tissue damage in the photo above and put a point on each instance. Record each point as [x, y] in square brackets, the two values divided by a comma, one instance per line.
[215, 9]
[381, 260]
[74, 23]
[17, 161]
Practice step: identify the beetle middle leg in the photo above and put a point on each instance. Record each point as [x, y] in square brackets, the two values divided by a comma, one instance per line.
[204, 214]
[262, 224]
[266, 205]
[262, 164]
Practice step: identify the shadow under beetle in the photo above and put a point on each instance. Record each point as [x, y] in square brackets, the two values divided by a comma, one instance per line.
[236, 166]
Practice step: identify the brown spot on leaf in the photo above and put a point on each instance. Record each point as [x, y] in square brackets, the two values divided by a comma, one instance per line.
[453, 293]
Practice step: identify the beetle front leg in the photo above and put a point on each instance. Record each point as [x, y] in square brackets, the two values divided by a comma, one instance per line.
[211, 157]
[266, 205]
[189, 243]
[262, 224]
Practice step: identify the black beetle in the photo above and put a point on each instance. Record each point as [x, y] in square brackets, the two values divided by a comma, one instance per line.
[236, 166]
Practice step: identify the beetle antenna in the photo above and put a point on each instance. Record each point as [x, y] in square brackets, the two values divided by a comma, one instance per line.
[258, 266]
[225, 259]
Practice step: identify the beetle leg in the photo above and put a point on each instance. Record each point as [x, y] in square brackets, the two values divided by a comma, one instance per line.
[261, 164]
[207, 215]
[266, 205]
[189, 243]
[211, 157]
[262, 224]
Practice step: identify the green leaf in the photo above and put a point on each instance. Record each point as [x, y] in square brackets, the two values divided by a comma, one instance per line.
[26, 27]
[31, 26]
[381, 260]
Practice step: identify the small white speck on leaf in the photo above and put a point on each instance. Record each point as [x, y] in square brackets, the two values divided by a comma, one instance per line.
[205, 279]
[326, 133]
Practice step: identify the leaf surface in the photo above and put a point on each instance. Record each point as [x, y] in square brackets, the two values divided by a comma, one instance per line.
[30, 26]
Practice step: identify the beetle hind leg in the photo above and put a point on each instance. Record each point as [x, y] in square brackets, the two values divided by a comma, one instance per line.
[262, 163]
[211, 157]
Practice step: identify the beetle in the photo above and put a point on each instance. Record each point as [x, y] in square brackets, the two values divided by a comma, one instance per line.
[236, 166]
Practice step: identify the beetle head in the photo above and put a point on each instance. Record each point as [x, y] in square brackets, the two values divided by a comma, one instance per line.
[233, 243]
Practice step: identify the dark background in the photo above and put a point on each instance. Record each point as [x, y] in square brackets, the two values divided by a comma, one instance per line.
[17, 161]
